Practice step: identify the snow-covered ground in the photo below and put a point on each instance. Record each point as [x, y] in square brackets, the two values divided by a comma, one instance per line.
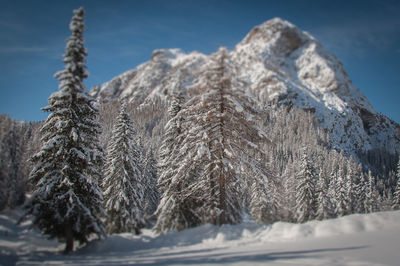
[372, 239]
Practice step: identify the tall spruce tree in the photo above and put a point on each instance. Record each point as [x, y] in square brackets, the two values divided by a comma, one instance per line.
[333, 168]
[361, 205]
[351, 177]
[341, 192]
[66, 202]
[123, 183]
[396, 195]
[171, 138]
[305, 189]
[151, 193]
[173, 212]
[324, 205]
[264, 202]
[371, 194]
[288, 197]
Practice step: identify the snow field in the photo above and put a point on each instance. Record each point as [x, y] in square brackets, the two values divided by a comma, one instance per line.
[360, 239]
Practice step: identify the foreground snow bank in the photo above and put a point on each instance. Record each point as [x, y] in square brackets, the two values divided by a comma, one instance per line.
[356, 223]
[228, 235]
[368, 239]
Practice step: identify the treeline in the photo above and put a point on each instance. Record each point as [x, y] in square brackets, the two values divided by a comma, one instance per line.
[18, 142]
[317, 181]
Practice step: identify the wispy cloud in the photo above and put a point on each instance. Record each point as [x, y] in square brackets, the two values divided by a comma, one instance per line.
[19, 38]
[359, 39]
[358, 35]
[22, 49]
[10, 25]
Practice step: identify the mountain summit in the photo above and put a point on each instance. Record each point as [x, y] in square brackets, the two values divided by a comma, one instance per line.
[281, 65]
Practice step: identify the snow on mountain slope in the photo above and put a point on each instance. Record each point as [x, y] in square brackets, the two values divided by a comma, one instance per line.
[280, 64]
[284, 64]
[156, 78]
[360, 239]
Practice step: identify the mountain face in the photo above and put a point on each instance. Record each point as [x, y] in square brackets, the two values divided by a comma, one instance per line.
[281, 65]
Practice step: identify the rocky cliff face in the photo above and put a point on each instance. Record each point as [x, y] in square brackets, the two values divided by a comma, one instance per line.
[279, 64]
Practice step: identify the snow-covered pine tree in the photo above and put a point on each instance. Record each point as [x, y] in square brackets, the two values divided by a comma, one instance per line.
[218, 127]
[3, 190]
[170, 142]
[11, 152]
[324, 205]
[230, 136]
[371, 194]
[174, 210]
[361, 190]
[305, 189]
[333, 168]
[386, 200]
[351, 177]
[151, 193]
[396, 195]
[341, 191]
[264, 199]
[123, 183]
[66, 203]
[288, 197]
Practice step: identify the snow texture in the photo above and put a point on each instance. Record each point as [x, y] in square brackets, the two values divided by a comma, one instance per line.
[368, 239]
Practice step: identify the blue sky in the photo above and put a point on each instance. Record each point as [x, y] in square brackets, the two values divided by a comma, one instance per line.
[365, 35]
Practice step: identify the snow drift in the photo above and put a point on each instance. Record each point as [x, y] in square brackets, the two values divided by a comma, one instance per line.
[359, 239]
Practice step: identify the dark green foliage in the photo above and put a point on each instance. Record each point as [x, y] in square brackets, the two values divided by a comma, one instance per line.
[66, 202]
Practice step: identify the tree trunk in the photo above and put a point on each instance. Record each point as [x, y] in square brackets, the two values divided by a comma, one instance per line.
[137, 231]
[222, 198]
[69, 239]
[222, 175]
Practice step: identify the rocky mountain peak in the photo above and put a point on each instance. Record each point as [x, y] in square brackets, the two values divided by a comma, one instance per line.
[281, 36]
[281, 64]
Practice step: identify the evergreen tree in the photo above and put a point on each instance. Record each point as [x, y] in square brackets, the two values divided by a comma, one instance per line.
[12, 191]
[67, 200]
[171, 138]
[151, 193]
[3, 189]
[333, 180]
[341, 192]
[396, 195]
[305, 188]
[217, 127]
[361, 191]
[288, 199]
[371, 194]
[386, 203]
[351, 177]
[173, 212]
[323, 201]
[123, 183]
[264, 201]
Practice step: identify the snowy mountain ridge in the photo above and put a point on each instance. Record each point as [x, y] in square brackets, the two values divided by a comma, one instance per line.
[280, 64]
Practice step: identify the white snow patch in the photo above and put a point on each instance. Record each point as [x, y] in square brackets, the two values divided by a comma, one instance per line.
[369, 239]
